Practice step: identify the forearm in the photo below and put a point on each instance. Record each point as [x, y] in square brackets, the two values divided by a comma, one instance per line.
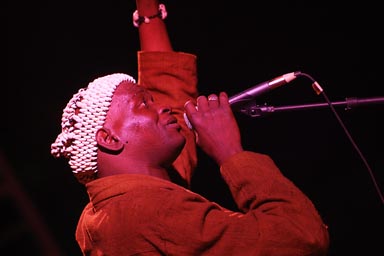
[153, 35]
[171, 78]
[282, 210]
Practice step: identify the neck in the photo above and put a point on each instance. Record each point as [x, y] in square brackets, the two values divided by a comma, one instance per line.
[113, 168]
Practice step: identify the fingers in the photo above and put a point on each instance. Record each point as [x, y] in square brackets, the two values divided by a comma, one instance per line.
[204, 103]
[199, 109]
[213, 98]
[190, 107]
[215, 127]
[223, 97]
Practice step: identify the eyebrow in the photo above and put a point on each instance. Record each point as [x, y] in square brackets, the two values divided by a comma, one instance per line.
[140, 93]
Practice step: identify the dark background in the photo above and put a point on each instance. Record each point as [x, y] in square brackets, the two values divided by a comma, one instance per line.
[56, 48]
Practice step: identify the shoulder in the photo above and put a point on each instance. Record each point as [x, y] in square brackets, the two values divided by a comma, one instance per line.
[135, 192]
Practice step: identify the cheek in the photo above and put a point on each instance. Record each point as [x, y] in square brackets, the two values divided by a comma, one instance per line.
[129, 120]
[139, 126]
[121, 120]
[143, 118]
[137, 122]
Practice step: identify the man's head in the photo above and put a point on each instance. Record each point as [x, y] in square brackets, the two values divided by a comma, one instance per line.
[116, 115]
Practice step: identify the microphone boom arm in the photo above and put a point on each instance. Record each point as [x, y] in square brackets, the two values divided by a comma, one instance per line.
[253, 110]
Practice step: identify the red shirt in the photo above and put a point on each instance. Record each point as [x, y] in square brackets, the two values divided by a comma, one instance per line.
[143, 215]
[133, 214]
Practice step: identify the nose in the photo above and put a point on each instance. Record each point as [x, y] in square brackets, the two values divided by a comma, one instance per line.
[165, 109]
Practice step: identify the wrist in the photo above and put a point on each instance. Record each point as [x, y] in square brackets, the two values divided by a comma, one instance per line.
[139, 16]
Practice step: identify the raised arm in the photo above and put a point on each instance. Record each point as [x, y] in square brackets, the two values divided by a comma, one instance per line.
[154, 34]
[170, 76]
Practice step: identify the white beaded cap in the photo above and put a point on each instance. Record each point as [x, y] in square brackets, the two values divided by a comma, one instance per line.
[84, 114]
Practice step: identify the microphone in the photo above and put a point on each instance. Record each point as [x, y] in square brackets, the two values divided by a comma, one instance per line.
[262, 88]
[257, 90]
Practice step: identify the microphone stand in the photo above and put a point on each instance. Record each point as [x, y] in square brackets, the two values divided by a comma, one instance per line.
[253, 110]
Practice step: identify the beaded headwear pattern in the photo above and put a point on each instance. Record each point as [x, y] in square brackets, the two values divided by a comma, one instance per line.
[83, 115]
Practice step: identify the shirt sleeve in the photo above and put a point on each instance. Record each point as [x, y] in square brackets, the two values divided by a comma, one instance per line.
[171, 78]
[275, 217]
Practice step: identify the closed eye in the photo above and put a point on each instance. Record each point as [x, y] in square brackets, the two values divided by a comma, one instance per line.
[144, 99]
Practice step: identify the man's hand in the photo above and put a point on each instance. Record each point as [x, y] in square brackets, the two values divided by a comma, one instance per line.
[217, 132]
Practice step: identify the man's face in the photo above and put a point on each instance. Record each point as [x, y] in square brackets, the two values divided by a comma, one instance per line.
[146, 125]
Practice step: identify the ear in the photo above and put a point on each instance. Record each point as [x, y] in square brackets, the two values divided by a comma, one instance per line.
[107, 140]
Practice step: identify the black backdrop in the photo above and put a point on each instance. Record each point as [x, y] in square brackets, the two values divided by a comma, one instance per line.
[55, 48]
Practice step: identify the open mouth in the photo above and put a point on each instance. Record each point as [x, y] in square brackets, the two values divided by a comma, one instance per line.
[173, 123]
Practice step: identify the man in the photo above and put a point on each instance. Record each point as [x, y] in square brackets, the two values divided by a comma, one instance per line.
[125, 142]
